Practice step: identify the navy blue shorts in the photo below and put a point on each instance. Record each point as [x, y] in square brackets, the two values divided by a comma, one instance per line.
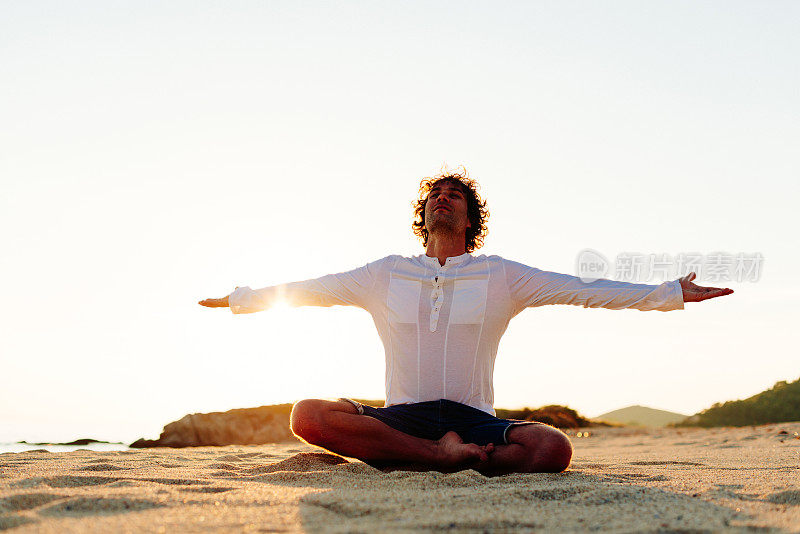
[433, 419]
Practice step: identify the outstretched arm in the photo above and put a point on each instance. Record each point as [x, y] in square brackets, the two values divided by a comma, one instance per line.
[350, 288]
[530, 287]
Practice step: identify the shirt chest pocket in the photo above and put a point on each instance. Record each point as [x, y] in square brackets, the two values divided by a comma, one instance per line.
[469, 301]
[403, 300]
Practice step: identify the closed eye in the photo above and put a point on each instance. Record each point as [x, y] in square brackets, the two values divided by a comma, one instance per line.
[451, 193]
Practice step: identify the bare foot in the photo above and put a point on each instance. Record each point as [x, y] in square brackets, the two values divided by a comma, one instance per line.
[455, 454]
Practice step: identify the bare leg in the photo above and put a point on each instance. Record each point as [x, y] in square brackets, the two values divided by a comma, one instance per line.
[531, 449]
[337, 427]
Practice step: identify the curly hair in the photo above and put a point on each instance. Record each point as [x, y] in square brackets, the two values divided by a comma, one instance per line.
[476, 207]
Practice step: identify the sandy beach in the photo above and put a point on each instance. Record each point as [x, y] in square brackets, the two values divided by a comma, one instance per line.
[621, 480]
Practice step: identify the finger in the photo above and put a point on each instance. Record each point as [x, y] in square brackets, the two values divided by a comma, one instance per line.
[689, 277]
[710, 289]
[212, 303]
[713, 294]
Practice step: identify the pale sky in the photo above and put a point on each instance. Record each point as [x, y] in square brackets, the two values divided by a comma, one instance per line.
[156, 154]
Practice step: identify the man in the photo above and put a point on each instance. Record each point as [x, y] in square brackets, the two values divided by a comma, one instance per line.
[440, 316]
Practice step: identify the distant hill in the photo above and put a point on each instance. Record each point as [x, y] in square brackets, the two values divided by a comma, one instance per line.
[641, 416]
[779, 404]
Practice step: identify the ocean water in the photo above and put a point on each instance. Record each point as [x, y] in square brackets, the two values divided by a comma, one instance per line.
[22, 447]
[118, 434]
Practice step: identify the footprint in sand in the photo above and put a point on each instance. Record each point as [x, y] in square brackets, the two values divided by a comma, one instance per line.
[550, 494]
[207, 490]
[14, 463]
[66, 481]
[724, 491]
[224, 467]
[102, 467]
[26, 501]
[249, 454]
[225, 474]
[230, 458]
[125, 484]
[13, 521]
[21, 503]
[69, 481]
[85, 506]
[791, 497]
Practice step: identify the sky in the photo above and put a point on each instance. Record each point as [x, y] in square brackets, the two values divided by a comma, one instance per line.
[153, 155]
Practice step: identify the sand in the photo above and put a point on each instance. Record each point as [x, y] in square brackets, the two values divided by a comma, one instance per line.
[621, 480]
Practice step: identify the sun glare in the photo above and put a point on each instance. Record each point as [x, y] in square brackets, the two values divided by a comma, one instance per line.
[280, 305]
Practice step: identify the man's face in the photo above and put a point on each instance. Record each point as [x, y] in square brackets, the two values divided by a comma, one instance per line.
[446, 208]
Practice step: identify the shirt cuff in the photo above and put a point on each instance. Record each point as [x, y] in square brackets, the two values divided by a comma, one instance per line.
[667, 296]
[237, 299]
[675, 296]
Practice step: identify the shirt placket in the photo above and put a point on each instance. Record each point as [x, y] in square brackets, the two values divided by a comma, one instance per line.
[437, 297]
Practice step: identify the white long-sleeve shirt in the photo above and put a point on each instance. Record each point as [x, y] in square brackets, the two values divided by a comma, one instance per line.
[441, 324]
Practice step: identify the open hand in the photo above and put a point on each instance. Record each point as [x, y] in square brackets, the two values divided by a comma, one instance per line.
[694, 293]
[214, 303]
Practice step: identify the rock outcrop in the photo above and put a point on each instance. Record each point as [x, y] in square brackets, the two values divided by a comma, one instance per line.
[554, 415]
[79, 442]
[242, 426]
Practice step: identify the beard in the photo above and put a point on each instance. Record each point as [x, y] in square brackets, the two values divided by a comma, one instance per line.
[442, 221]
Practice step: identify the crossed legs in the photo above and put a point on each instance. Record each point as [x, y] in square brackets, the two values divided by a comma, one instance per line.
[337, 427]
